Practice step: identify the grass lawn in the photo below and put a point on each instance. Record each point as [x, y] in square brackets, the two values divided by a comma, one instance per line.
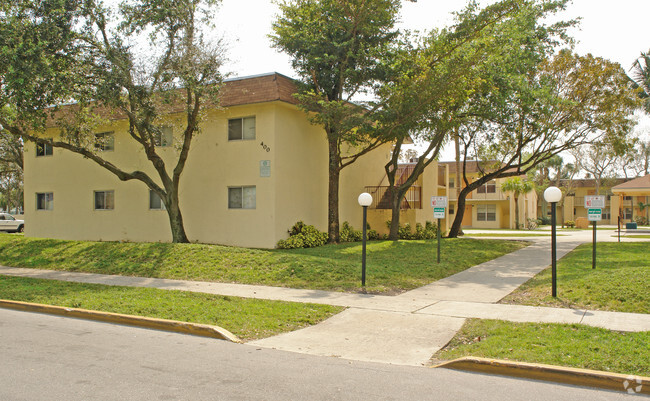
[246, 318]
[620, 281]
[542, 234]
[392, 267]
[555, 344]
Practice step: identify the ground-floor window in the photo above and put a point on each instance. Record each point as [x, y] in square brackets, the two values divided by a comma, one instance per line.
[155, 203]
[104, 200]
[627, 213]
[45, 201]
[241, 197]
[486, 213]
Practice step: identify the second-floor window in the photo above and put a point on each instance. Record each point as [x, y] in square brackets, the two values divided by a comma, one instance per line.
[163, 138]
[488, 188]
[155, 203]
[241, 128]
[105, 141]
[43, 149]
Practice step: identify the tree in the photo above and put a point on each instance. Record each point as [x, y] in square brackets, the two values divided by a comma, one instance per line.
[11, 172]
[57, 51]
[641, 78]
[338, 49]
[429, 85]
[597, 160]
[518, 187]
[567, 101]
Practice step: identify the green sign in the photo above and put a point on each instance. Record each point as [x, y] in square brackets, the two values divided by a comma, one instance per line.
[594, 214]
[438, 212]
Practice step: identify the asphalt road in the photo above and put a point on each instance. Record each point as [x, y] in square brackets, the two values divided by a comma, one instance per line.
[54, 358]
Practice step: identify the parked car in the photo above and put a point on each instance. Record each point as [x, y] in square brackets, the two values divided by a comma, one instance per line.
[9, 223]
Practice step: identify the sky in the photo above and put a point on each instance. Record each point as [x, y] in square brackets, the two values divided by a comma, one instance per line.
[613, 29]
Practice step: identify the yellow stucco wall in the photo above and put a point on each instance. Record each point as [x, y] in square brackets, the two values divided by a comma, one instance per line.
[295, 190]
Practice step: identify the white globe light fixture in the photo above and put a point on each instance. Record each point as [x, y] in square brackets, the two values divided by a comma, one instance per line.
[365, 199]
[553, 195]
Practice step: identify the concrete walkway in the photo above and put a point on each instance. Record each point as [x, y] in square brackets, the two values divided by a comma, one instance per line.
[405, 329]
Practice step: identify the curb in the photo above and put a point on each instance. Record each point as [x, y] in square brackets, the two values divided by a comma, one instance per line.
[129, 320]
[559, 374]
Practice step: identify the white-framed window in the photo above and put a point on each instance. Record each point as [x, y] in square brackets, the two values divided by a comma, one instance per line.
[104, 200]
[164, 137]
[486, 213]
[105, 141]
[45, 201]
[452, 182]
[155, 203]
[627, 213]
[488, 188]
[241, 128]
[451, 209]
[43, 149]
[241, 197]
[606, 215]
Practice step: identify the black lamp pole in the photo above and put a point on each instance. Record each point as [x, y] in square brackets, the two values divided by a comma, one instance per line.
[553, 252]
[363, 249]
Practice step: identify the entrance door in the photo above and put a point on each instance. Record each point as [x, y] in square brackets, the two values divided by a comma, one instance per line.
[467, 216]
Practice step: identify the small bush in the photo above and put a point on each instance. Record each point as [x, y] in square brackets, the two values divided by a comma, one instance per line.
[349, 234]
[429, 231]
[641, 220]
[532, 223]
[372, 235]
[570, 223]
[302, 235]
[544, 221]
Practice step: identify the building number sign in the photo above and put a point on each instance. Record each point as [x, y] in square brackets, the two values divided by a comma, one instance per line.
[265, 147]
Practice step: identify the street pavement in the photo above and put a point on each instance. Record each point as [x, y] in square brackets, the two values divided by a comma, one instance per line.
[408, 328]
[53, 358]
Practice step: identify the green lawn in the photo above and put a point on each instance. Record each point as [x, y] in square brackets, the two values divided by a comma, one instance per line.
[514, 235]
[392, 267]
[620, 282]
[246, 318]
[555, 344]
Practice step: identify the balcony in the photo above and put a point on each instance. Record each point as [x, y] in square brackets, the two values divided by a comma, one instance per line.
[475, 195]
[381, 197]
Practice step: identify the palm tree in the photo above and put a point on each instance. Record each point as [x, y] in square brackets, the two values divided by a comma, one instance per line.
[518, 187]
[641, 78]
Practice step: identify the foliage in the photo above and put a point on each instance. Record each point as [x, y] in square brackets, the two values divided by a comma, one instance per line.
[339, 49]
[392, 266]
[429, 231]
[570, 223]
[349, 234]
[572, 345]
[11, 172]
[532, 224]
[246, 318]
[137, 63]
[641, 220]
[302, 235]
[518, 187]
[641, 78]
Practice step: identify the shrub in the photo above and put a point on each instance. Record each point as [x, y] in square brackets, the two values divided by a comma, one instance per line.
[532, 223]
[349, 234]
[641, 220]
[429, 231]
[570, 223]
[302, 235]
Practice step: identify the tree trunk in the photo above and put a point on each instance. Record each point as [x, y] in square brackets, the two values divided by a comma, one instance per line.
[516, 212]
[395, 209]
[176, 223]
[460, 211]
[333, 193]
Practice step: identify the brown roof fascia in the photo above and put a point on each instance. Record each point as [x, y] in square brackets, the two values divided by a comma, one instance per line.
[636, 183]
[235, 92]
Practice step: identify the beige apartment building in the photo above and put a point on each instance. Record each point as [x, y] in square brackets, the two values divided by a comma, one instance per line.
[256, 168]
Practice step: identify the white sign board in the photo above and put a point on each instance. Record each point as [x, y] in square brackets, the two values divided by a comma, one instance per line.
[438, 201]
[265, 168]
[594, 201]
[594, 214]
[438, 212]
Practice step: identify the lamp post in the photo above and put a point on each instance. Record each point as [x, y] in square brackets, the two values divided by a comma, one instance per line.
[553, 196]
[365, 200]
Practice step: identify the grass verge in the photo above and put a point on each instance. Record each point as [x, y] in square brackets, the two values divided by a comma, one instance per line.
[248, 319]
[620, 281]
[554, 344]
[392, 267]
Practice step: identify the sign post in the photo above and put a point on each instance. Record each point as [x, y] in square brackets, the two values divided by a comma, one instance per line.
[594, 205]
[439, 204]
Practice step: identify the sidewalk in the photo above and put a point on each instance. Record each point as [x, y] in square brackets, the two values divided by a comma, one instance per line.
[405, 329]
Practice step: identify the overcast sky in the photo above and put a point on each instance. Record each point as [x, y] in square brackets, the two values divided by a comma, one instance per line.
[614, 29]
